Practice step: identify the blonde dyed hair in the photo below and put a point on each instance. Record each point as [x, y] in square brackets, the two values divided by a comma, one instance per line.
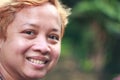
[9, 8]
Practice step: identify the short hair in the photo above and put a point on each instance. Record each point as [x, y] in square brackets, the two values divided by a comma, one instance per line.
[8, 11]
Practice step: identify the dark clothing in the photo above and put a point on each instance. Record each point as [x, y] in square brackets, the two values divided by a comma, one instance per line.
[1, 77]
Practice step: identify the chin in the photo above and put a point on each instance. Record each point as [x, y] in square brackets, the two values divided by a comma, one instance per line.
[36, 75]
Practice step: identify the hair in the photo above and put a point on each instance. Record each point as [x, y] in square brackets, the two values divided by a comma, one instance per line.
[8, 11]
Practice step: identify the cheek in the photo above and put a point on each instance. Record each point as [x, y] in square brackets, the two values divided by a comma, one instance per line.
[57, 51]
[16, 46]
[13, 51]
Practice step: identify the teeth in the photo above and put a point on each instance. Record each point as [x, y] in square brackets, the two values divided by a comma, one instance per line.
[36, 61]
[47, 56]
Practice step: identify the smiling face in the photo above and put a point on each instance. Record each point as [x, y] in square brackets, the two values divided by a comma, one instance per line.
[32, 46]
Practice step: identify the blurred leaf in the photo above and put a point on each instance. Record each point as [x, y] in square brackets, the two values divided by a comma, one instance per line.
[94, 7]
[113, 27]
[86, 65]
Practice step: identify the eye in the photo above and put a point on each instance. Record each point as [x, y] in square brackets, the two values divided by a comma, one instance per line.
[54, 37]
[29, 32]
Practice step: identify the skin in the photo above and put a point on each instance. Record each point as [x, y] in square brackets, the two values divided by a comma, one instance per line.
[33, 43]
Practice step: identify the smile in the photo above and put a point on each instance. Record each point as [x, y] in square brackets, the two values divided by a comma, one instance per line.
[37, 61]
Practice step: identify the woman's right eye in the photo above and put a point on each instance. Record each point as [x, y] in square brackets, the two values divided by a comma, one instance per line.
[29, 32]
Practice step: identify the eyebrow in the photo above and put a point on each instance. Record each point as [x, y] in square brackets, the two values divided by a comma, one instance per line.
[31, 24]
[55, 30]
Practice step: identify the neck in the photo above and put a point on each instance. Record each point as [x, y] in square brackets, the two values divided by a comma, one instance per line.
[5, 75]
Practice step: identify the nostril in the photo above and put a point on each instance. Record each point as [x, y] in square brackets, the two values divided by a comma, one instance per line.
[45, 53]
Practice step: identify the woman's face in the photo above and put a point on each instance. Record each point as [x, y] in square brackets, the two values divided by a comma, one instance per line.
[33, 42]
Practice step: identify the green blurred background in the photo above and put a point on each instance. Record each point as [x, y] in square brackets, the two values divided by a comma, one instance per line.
[91, 44]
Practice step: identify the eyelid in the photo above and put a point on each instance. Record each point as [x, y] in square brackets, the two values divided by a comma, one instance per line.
[29, 31]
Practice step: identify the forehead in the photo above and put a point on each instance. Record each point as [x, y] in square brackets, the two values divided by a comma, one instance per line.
[47, 8]
[44, 15]
[43, 11]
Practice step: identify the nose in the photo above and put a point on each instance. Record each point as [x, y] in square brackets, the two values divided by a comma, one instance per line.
[41, 45]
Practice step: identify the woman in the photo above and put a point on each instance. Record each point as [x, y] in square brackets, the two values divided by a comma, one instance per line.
[30, 38]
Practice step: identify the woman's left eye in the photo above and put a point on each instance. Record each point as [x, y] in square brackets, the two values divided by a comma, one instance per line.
[54, 37]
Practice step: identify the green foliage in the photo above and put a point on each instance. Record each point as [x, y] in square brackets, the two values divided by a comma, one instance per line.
[113, 27]
[107, 13]
[91, 20]
[66, 47]
[112, 10]
[86, 65]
